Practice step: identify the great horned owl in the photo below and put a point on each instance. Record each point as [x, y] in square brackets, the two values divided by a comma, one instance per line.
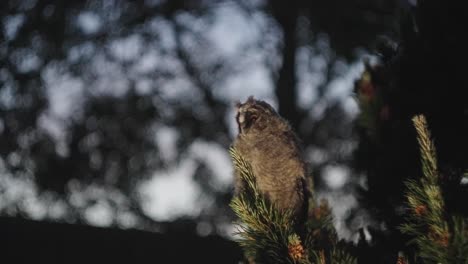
[268, 143]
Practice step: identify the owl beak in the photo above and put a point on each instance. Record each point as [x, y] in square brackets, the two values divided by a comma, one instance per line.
[241, 118]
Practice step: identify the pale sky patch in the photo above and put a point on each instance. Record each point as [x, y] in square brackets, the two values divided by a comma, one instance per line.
[254, 80]
[127, 48]
[11, 24]
[99, 214]
[64, 92]
[172, 193]
[232, 30]
[166, 140]
[335, 176]
[342, 87]
[218, 161]
[89, 22]
[340, 204]
[26, 60]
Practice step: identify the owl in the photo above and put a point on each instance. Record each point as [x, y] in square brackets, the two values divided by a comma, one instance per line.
[271, 147]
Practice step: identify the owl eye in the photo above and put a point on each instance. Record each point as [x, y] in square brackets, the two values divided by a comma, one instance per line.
[253, 118]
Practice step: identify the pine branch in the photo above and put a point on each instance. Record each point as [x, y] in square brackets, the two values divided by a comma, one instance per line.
[427, 148]
[459, 249]
[341, 256]
[437, 240]
[268, 235]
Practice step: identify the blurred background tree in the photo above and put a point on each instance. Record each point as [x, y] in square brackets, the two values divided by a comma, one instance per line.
[421, 75]
[120, 113]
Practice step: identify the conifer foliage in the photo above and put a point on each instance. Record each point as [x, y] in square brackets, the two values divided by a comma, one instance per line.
[268, 235]
[413, 80]
[438, 239]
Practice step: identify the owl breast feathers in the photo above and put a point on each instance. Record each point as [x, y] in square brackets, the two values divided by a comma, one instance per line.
[268, 143]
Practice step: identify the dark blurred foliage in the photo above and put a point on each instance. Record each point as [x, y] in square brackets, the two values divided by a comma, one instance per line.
[423, 74]
[105, 139]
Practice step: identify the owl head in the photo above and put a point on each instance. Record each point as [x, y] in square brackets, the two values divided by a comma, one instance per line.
[254, 115]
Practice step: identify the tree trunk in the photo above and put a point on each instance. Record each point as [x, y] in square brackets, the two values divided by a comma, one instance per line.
[286, 14]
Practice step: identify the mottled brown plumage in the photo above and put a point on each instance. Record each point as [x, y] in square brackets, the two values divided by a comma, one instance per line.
[268, 143]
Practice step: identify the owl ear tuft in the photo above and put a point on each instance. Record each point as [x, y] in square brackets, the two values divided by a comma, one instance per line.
[251, 99]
